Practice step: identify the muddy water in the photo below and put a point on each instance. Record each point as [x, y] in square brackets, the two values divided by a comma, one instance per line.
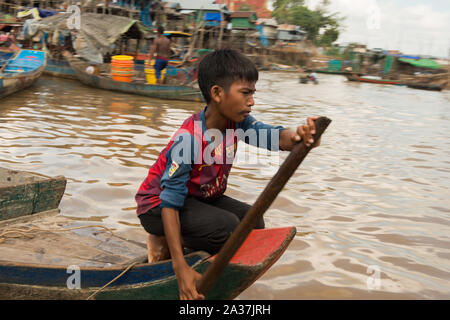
[371, 204]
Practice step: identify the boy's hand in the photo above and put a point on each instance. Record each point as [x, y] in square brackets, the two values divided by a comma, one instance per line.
[305, 132]
[187, 281]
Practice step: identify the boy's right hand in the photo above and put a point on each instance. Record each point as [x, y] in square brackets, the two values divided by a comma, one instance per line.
[187, 283]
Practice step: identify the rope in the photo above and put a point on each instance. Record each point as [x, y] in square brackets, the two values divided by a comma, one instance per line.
[123, 272]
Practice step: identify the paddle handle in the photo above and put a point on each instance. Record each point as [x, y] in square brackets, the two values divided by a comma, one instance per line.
[258, 209]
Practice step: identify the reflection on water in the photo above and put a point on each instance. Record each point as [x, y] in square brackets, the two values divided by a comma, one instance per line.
[375, 193]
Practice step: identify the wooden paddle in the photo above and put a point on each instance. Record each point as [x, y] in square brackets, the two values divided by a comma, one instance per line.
[255, 213]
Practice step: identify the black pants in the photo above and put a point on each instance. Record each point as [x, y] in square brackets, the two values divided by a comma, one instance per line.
[204, 225]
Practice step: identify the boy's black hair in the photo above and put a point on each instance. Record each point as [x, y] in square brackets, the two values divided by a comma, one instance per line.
[222, 68]
[161, 30]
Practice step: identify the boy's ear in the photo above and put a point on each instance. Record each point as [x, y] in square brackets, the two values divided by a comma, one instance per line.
[217, 93]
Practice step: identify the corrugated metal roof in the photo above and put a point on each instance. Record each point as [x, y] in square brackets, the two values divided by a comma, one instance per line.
[268, 22]
[187, 11]
[286, 27]
[199, 4]
[291, 27]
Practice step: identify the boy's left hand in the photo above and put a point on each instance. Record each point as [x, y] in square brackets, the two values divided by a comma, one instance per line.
[305, 133]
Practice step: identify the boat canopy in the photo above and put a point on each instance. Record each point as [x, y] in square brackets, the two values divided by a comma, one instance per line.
[422, 63]
[97, 33]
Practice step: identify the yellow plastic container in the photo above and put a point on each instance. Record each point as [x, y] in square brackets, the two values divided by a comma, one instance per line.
[122, 58]
[150, 72]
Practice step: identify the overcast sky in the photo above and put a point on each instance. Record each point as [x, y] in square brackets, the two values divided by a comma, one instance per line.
[411, 26]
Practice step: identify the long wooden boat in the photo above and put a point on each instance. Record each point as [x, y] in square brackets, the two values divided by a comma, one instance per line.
[354, 77]
[20, 70]
[59, 68]
[170, 92]
[424, 86]
[77, 263]
[327, 71]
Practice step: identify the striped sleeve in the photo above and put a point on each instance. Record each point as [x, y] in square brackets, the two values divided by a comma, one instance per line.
[260, 134]
[179, 161]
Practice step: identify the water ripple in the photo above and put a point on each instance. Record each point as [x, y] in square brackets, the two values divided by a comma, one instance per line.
[375, 193]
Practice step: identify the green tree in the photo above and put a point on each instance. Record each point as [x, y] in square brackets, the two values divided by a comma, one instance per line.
[321, 27]
[282, 8]
[328, 37]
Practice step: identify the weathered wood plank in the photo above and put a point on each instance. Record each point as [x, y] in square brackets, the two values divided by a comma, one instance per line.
[24, 193]
[29, 218]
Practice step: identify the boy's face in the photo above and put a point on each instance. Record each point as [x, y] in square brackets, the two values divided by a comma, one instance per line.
[238, 100]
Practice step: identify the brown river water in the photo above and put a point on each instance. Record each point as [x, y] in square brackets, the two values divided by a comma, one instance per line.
[371, 204]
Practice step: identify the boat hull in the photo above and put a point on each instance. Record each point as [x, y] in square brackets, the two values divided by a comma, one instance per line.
[13, 82]
[169, 92]
[425, 86]
[60, 69]
[156, 281]
[359, 79]
[331, 72]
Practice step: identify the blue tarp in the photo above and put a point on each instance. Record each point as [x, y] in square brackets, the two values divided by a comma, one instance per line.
[401, 55]
[46, 13]
[262, 37]
[212, 16]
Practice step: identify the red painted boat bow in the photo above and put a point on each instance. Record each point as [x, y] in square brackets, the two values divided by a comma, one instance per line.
[263, 246]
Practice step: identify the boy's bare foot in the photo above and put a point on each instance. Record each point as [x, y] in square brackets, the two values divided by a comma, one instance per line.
[157, 248]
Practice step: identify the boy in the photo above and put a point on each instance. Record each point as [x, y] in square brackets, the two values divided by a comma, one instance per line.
[181, 202]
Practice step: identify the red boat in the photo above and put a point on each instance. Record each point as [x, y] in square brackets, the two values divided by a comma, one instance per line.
[354, 77]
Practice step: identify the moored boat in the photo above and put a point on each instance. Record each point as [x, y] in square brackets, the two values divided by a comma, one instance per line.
[20, 70]
[424, 86]
[354, 77]
[163, 91]
[327, 71]
[59, 68]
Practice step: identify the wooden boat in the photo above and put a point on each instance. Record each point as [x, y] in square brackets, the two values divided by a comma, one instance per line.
[354, 77]
[303, 79]
[25, 193]
[46, 266]
[59, 68]
[20, 70]
[424, 86]
[170, 92]
[327, 71]
[283, 67]
[49, 256]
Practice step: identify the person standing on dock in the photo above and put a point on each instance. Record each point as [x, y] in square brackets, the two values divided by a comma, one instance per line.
[161, 47]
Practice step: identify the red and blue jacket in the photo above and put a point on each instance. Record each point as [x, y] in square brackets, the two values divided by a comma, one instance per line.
[195, 164]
